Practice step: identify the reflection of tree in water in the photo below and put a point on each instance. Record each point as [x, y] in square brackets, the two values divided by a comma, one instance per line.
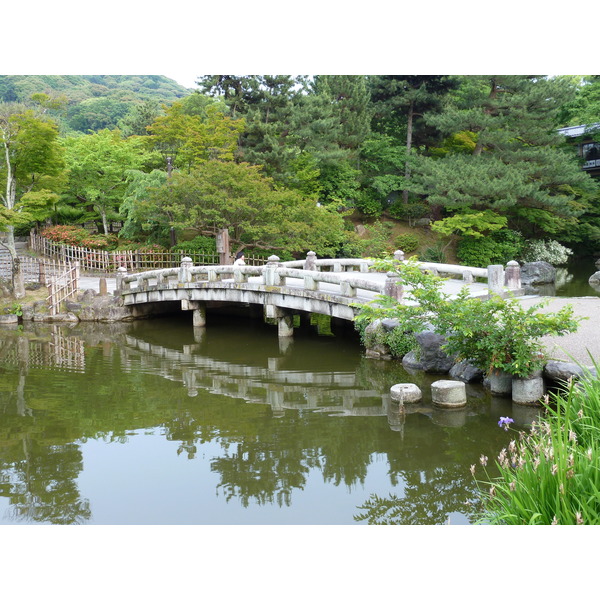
[251, 472]
[42, 486]
[263, 459]
[39, 472]
[429, 496]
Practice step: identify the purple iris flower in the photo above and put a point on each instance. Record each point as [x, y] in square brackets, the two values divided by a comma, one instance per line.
[505, 422]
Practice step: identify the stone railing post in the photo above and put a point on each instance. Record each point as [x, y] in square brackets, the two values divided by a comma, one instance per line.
[271, 276]
[393, 287]
[121, 273]
[495, 279]
[184, 272]
[310, 264]
[512, 275]
[467, 277]
[399, 256]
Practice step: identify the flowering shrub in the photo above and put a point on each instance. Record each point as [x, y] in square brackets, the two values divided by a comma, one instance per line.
[549, 251]
[71, 235]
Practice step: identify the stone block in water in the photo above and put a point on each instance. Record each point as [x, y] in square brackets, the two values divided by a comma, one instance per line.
[405, 393]
[448, 394]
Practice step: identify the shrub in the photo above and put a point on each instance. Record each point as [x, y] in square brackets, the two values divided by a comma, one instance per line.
[493, 334]
[434, 254]
[70, 235]
[493, 249]
[368, 206]
[200, 244]
[408, 212]
[550, 251]
[407, 242]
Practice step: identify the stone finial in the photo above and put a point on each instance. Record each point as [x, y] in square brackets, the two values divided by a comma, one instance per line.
[310, 262]
[184, 273]
[121, 273]
[393, 286]
[495, 278]
[273, 259]
[512, 275]
[399, 256]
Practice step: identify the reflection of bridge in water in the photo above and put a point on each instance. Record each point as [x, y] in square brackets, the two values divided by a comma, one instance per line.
[337, 393]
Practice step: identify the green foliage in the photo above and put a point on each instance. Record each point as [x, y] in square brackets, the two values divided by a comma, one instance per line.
[368, 205]
[499, 334]
[498, 248]
[14, 309]
[496, 334]
[470, 223]
[98, 166]
[400, 340]
[200, 244]
[410, 211]
[551, 476]
[517, 167]
[258, 215]
[194, 138]
[435, 253]
[407, 242]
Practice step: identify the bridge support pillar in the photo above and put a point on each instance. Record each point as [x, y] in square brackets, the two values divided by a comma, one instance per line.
[285, 326]
[285, 320]
[199, 311]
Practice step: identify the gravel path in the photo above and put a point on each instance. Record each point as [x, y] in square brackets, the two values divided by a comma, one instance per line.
[573, 347]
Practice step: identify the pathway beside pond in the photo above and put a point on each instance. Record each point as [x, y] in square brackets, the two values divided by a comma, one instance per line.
[573, 347]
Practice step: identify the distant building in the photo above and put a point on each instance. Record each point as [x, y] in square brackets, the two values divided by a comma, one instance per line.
[587, 148]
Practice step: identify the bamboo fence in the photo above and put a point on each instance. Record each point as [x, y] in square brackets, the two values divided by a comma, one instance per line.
[103, 261]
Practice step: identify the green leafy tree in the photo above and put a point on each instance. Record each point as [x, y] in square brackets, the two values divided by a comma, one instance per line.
[30, 166]
[139, 118]
[194, 138]
[238, 197]
[98, 164]
[401, 103]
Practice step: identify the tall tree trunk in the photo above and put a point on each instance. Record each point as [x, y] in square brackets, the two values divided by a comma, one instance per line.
[409, 133]
[18, 281]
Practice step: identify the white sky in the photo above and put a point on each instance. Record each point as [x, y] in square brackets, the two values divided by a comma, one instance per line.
[184, 40]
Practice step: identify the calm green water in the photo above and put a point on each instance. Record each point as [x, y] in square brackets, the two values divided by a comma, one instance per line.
[146, 423]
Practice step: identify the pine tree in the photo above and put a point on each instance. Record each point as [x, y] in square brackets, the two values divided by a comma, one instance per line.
[517, 166]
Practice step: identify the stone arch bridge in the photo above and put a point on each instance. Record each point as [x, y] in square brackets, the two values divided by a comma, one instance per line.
[332, 287]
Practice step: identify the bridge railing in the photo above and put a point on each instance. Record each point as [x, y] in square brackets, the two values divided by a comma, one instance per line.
[272, 274]
[311, 274]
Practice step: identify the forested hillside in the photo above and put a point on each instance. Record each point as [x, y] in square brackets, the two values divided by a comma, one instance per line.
[450, 167]
[92, 102]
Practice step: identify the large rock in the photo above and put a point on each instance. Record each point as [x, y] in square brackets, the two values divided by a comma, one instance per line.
[563, 371]
[430, 357]
[594, 280]
[537, 273]
[465, 371]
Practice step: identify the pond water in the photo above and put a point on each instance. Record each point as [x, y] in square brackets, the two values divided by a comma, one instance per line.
[572, 280]
[154, 422]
